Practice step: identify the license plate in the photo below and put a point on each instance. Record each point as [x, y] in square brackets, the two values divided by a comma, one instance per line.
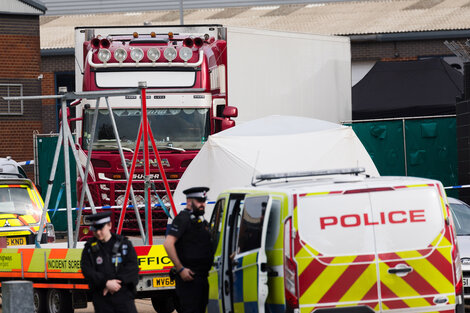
[18, 241]
[465, 282]
[163, 282]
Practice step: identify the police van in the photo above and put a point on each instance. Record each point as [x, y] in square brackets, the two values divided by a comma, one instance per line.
[342, 242]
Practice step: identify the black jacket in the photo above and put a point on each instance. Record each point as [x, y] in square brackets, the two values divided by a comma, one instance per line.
[99, 263]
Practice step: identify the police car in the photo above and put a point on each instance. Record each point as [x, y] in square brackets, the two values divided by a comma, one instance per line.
[21, 207]
[341, 243]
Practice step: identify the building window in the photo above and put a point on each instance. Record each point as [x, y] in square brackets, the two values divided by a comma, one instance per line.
[11, 107]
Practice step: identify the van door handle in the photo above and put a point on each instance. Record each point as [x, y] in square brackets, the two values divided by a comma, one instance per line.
[400, 270]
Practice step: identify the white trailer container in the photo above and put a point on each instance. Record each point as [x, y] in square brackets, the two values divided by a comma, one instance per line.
[273, 72]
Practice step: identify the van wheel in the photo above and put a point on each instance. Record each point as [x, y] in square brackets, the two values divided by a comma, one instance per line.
[59, 301]
[39, 298]
[165, 302]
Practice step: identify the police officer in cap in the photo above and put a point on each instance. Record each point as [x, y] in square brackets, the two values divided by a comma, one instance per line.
[189, 247]
[109, 264]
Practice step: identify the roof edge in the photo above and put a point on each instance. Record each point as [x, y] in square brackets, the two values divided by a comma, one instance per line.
[409, 36]
[57, 52]
[35, 4]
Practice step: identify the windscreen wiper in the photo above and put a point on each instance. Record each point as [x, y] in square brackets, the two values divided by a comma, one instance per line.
[169, 146]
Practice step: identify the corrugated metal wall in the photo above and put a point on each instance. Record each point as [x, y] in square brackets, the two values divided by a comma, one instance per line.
[64, 7]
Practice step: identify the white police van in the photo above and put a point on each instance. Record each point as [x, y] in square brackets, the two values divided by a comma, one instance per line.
[338, 243]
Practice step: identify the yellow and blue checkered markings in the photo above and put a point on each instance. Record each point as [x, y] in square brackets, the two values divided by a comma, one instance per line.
[245, 284]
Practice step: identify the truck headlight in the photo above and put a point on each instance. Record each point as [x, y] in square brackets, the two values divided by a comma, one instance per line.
[104, 55]
[137, 54]
[170, 53]
[186, 54]
[120, 54]
[153, 54]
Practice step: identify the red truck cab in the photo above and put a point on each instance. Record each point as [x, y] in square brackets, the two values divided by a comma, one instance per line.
[185, 68]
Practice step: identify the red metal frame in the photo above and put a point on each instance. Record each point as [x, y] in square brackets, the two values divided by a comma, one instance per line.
[146, 132]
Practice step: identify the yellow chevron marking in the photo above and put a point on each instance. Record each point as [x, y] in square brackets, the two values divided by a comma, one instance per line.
[436, 240]
[426, 270]
[295, 225]
[316, 194]
[416, 302]
[7, 216]
[307, 251]
[324, 282]
[446, 253]
[451, 299]
[399, 287]
[306, 309]
[362, 285]
[303, 253]
[384, 307]
[445, 242]
[419, 185]
[303, 263]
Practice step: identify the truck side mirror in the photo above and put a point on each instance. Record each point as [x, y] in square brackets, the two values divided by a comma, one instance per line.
[230, 111]
[227, 123]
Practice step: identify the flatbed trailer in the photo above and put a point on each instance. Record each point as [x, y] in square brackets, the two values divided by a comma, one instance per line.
[59, 285]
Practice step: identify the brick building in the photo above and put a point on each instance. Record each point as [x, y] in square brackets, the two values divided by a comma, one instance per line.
[19, 75]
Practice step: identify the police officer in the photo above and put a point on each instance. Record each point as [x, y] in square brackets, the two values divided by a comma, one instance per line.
[109, 263]
[189, 247]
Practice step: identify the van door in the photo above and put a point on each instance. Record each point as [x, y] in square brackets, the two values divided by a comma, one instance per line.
[216, 230]
[333, 253]
[230, 229]
[249, 271]
[414, 249]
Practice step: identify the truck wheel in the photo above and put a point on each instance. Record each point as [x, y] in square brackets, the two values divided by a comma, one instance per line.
[39, 297]
[59, 301]
[165, 303]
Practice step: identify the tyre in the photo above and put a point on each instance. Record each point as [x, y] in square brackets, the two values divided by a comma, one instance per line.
[59, 301]
[39, 298]
[165, 303]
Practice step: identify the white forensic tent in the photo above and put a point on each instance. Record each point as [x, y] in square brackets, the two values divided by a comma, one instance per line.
[271, 145]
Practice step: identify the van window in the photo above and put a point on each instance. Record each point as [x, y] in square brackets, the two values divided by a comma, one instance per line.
[346, 224]
[273, 224]
[407, 219]
[251, 225]
[235, 205]
[335, 224]
[216, 222]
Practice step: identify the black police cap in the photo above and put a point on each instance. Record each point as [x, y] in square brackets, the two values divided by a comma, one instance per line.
[98, 220]
[196, 192]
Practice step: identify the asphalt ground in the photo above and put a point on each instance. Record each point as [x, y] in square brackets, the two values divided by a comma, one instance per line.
[143, 306]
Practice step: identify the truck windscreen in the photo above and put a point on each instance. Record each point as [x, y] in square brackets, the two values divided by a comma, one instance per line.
[173, 129]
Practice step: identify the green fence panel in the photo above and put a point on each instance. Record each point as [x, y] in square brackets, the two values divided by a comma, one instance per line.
[45, 155]
[431, 149]
[383, 141]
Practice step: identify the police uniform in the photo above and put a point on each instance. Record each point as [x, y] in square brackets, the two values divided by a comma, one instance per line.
[103, 261]
[194, 249]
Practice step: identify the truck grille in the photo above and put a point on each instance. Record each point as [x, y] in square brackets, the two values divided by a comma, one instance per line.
[111, 193]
